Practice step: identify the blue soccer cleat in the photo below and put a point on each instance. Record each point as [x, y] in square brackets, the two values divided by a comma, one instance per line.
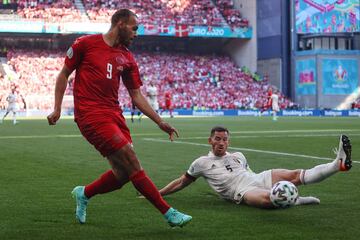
[176, 218]
[81, 203]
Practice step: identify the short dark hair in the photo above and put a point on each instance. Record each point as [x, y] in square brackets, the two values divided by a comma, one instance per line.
[218, 129]
[121, 14]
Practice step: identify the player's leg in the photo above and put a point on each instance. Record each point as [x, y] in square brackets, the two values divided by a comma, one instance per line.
[139, 116]
[171, 112]
[342, 162]
[14, 117]
[107, 182]
[274, 113]
[294, 177]
[258, 198]
[126, 158]
[132, 116]
[7, 112]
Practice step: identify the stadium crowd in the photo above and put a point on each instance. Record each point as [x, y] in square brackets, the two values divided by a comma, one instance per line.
[53, 11]
[162, 12]
[200, 82]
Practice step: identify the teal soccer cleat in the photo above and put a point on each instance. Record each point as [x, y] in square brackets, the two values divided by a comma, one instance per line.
[81, 203]
[176, 218]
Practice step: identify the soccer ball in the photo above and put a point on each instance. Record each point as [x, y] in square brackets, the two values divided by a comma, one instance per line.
[284, 194]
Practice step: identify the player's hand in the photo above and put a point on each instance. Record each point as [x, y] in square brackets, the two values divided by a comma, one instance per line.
[53, 117]
[169, 130]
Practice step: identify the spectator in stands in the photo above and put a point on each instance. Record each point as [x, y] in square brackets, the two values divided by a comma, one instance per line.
[169, 71]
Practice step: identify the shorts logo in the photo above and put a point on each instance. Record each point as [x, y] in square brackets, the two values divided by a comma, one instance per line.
[70, 53]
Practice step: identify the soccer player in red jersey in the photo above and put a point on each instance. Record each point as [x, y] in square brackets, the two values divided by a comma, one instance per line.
[101, 61]
[168, 104]
[268, 101]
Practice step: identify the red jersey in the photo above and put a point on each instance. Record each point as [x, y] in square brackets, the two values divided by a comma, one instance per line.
[167, 99]
[99, 69]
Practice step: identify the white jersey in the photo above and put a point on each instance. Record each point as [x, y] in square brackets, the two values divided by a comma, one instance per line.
[229, 175]
[12, 100]
[275, 102]
[223, 174]
[152, 93]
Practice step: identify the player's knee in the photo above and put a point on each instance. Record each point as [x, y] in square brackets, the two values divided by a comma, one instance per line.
[294, 176]
[131, 162]
[266, 202]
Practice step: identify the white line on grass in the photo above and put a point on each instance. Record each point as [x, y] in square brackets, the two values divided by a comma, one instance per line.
[276, 136]
[39, 136]
[160, 134]
[298, 131]
[244, 149]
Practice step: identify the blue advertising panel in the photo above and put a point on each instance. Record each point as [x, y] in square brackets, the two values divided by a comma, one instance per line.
[305, 79]
[327, 16]
[340, 76]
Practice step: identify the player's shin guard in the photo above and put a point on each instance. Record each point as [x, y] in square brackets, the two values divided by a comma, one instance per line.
[106, 183]
[147, 188]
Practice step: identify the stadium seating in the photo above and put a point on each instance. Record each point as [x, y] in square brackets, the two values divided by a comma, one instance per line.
[49, 10]
[232, 16]
[162, 12]
[209, 82]
[189, 12]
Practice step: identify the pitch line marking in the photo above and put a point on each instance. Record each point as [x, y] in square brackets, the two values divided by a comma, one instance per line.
[239, 132]
[244, 149]
[276, 136]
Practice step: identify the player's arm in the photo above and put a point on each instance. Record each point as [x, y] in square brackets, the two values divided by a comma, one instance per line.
[177, 184]
[60, 87]
[143, 105]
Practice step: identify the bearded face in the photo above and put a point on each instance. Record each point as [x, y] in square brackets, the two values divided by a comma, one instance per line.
[127, 31]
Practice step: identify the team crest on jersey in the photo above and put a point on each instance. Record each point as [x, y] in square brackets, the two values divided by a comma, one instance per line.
[121, 59]
[70, 53]
[120, 68]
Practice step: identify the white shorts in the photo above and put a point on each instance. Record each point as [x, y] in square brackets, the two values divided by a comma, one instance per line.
[255, 181]
[154, 105]
[275, 107]
[12, 108]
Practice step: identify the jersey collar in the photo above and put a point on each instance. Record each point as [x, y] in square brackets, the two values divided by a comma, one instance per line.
[211, 154]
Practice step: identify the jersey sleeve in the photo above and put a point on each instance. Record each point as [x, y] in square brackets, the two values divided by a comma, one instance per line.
[195, 170]
[75, 54]
[131, 77]
[243, 160]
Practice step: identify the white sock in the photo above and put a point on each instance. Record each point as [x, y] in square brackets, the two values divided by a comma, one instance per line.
[307, 200]
[319, 173]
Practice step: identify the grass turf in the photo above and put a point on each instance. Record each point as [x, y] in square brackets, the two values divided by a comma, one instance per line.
[39, 166]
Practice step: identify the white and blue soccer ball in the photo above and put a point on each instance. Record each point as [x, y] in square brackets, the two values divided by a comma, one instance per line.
[284, 194]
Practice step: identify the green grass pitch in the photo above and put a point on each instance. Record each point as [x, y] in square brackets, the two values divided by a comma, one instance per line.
[39, 166]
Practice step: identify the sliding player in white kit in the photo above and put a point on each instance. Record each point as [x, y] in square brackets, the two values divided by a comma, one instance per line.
[275, 105]
[152, 94]
[229, 174]
[12, 106]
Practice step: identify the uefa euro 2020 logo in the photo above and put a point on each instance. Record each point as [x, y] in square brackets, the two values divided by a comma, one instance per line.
[340, 74]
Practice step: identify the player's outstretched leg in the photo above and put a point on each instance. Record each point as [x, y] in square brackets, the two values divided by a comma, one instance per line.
[342, 162]
[307, 200]
[81, 203]
[176, 218]
[344, 153]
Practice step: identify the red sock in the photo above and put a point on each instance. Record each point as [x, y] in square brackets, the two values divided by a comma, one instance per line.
[106, 183]
[147, 188]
